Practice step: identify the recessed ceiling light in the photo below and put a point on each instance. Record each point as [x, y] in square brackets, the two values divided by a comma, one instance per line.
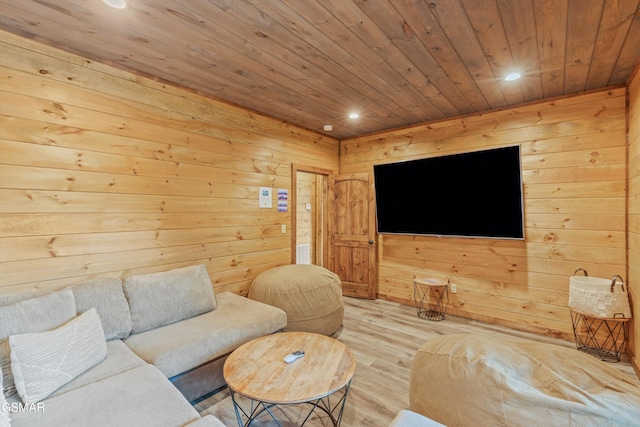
[354, 115]
[118, 4]
[511, 77]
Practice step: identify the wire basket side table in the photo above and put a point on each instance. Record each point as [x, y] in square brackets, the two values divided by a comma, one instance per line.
[431, 298]
[600, 314]
[603, 337]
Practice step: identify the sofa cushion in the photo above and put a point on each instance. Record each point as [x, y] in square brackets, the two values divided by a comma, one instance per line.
[33, 315]
[42, 362]
[8, 299]
[140, 397]
[107, 297]
[181, 346]
[119, 359]
[159, 299]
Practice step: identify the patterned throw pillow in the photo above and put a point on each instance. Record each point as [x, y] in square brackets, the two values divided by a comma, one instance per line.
[42, 362]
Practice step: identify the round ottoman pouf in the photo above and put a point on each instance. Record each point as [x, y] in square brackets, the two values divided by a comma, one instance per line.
[481, 379]
[310, 295]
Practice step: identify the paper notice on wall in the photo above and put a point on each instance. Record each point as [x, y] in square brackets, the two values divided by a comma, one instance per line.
[265, 197]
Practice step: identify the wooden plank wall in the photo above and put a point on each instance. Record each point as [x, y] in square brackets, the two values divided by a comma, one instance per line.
[574, 174]
[106, 173]
[634, 214]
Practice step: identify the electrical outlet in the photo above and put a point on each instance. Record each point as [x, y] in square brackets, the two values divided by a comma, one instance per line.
[454, 288]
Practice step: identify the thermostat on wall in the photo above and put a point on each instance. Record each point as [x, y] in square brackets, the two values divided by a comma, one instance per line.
[265, 197]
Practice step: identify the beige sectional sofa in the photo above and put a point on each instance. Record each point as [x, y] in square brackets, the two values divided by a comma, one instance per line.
[105, 352]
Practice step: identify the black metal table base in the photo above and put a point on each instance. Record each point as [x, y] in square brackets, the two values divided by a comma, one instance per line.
[334, 409]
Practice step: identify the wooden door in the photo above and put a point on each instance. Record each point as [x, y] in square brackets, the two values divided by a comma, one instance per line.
[353, 253]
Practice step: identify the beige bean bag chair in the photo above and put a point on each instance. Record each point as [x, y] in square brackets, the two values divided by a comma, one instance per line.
[310, 295]
[481, 380]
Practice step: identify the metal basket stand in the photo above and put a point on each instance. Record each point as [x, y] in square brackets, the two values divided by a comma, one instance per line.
[431, 298]
[604, 338]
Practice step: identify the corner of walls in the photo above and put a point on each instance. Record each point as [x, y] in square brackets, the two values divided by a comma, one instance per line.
[633, 215]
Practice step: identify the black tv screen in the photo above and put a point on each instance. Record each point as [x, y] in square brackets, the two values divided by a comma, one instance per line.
[476, 194]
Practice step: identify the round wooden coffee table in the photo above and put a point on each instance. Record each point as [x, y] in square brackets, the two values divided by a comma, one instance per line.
[256, 370]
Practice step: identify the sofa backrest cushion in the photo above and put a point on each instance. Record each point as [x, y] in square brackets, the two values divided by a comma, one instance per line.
[107, 297]
[158, 299]
[8, 299]
[33, 315]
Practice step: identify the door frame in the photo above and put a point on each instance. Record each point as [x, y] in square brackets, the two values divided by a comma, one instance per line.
[327, 173]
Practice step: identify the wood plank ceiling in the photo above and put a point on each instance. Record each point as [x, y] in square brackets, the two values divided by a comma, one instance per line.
[312, 62]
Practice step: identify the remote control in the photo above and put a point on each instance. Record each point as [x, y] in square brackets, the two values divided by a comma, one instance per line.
[293, 356]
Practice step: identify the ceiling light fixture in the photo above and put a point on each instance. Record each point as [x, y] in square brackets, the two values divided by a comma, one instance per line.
[511, 77]
[328, 128]
[117, 4]
[354, 115]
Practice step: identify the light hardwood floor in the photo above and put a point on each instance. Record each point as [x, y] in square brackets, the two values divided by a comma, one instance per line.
[384, 337]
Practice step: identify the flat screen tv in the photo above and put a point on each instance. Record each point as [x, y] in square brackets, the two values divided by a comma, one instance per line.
[475, 194]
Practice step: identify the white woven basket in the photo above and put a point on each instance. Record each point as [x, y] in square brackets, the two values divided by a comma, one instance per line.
[605, 298]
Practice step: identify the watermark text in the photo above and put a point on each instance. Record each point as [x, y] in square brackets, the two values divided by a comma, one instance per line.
[22, 407]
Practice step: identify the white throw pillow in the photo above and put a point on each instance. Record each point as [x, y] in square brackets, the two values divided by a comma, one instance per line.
[42, 362]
